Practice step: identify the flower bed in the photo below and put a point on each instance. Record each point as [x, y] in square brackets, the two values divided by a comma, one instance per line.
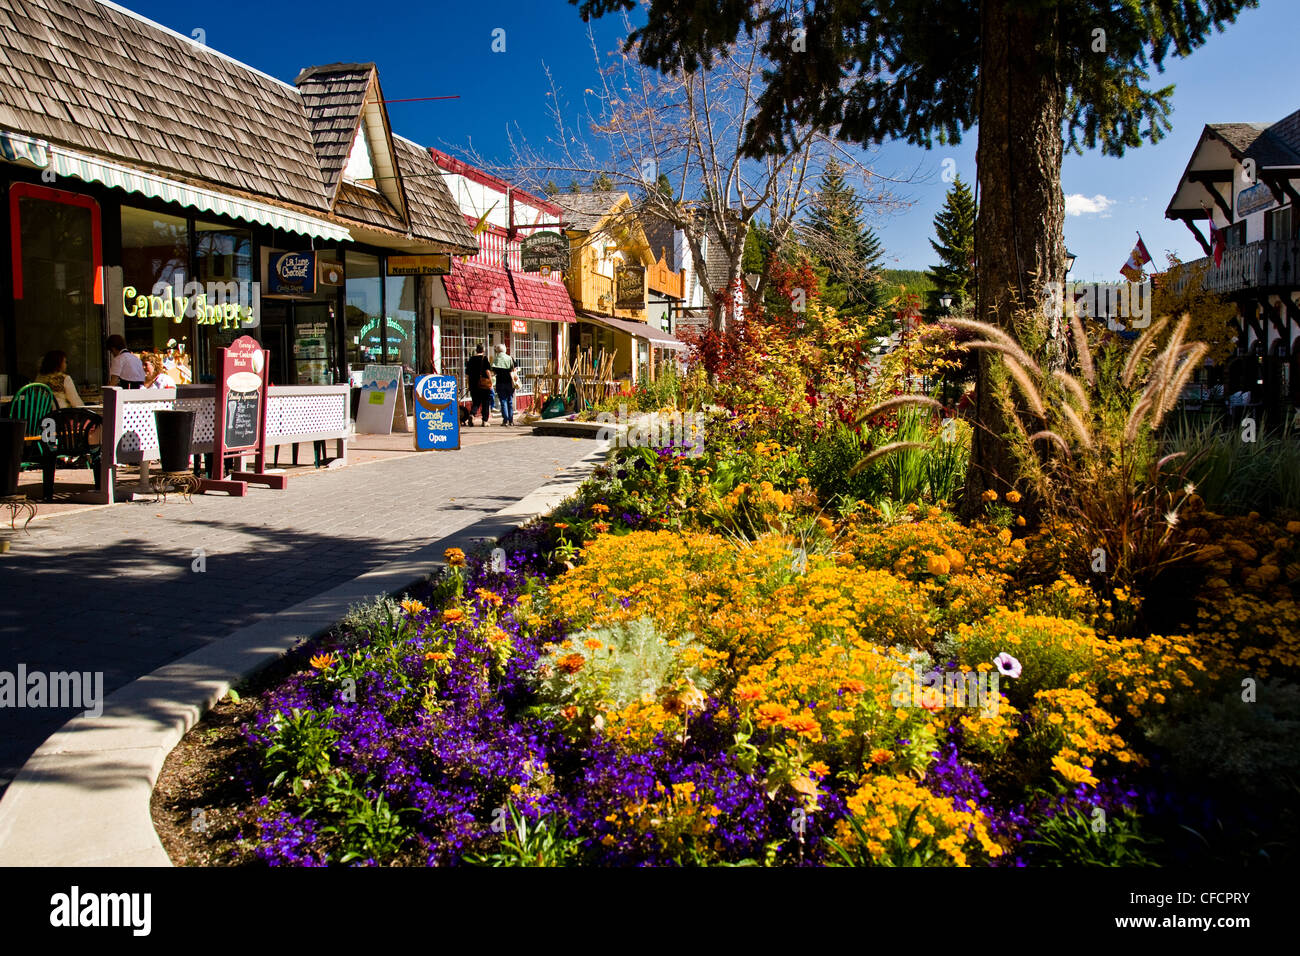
[693, 663]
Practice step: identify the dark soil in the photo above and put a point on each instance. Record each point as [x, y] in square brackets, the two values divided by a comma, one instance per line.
[202, 788]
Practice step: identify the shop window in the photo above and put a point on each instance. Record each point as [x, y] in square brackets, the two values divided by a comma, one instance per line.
[399, 321]
[223, 254]
[364, 325]
[1278, 224]
[155, 252]
[56, 290]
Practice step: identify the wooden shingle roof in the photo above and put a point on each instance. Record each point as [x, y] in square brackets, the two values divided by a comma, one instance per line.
[96, 78]
[433, 210]
[333, 96]
[586, 210]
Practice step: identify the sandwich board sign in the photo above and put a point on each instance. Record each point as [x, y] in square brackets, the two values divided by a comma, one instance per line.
[240, 424]
[382, 409]
[437, 413]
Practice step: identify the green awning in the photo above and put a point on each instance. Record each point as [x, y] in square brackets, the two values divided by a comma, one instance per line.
[65, 162]
[17, 148]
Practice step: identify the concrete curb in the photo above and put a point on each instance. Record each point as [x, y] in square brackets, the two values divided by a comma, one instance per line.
[82, 799]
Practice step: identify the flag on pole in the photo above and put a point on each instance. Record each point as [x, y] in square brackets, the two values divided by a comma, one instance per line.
[1139, 257]
[480, 227]
[1217, 239]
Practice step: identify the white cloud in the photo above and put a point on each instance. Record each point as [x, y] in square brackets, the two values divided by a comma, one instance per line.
[1077, 204]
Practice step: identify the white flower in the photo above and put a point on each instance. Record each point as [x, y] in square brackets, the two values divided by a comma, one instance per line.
[1171, 518]
[1007, 665]
[1189, 488]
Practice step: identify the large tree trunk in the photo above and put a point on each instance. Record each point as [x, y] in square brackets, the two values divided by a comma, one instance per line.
[1019, 242]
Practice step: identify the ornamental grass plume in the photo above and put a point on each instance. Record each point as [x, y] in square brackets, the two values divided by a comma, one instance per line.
[1086, 444]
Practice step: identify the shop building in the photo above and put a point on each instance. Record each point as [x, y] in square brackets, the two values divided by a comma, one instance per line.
[494, 296]
[1243, 182]
[617, 284]
[157, 189]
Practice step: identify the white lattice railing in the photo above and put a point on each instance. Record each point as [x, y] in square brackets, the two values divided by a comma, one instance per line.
[294, 413]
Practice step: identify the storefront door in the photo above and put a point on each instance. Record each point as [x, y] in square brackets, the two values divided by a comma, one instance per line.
[301, 339]
[274, 336]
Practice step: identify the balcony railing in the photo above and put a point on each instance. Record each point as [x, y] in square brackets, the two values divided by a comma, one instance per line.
[1273, 264]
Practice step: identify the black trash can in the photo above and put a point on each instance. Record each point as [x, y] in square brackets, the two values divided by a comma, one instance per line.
[175, 430]
[12, 432]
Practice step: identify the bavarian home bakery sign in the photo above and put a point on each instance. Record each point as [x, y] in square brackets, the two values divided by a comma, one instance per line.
[546, 250]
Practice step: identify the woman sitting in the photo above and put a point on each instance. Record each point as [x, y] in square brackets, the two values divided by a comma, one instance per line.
[54, 373]
[154, 376]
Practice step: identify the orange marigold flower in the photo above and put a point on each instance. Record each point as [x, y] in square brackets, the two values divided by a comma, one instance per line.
[324, 661]
[561, 525]
[600, 509]
[497, 635]
[601, 526]
[747, 695]
[880, 755]
[412, 607]
[769, 713]
[571, 663]
[455, 557]
[488, 597]
[592, 644]
[435, 656]
[452, 615]
[802, 724]
[1005, 536]
[569, 712]
[1013, 497]
[990, 495]
[937, 564]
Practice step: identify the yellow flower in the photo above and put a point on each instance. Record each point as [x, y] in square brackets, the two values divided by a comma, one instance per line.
[452, 615]
[455, 557]
[324, 661]
[412, 607]
[938, 564]
[1013, 497]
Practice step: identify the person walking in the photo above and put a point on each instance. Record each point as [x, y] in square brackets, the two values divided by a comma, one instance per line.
[503, 365]
[479, 375]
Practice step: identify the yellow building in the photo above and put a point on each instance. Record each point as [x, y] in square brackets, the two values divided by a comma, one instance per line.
[613, 278]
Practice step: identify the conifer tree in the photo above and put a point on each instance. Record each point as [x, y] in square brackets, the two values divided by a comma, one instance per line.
[848, 254]
[954, 228]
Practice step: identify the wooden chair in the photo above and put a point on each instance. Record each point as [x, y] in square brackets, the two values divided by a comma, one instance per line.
[72, 427]
[33, 404]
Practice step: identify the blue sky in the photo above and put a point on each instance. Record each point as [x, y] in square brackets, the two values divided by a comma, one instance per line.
[1241, 75]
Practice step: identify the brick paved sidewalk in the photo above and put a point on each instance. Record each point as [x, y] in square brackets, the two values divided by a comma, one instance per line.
[112, 589]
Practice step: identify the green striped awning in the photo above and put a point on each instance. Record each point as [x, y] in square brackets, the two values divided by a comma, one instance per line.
[17, 148]
[65, 162]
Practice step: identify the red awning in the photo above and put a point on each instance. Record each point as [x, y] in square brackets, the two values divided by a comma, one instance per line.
[498, 291]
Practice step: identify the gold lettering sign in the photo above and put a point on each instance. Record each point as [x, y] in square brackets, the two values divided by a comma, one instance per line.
[431, 265]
